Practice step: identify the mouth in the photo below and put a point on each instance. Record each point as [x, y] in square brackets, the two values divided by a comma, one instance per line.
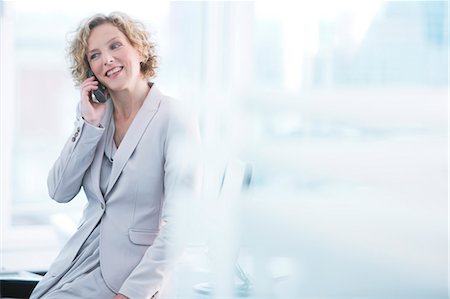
[113, 71]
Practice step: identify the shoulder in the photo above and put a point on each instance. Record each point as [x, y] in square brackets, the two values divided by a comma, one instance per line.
[177, 110]
[180, 120]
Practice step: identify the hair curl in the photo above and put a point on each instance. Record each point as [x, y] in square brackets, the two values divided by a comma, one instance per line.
[135, 31]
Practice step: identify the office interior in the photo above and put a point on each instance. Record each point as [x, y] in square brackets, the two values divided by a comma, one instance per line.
[324, 131]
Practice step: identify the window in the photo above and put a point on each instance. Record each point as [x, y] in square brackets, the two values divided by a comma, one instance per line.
[342, 112]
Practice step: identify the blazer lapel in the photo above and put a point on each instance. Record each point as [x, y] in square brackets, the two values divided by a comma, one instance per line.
[134, 134]
[97, 162]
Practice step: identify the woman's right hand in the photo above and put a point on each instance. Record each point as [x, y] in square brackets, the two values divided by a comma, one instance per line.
[90, 111]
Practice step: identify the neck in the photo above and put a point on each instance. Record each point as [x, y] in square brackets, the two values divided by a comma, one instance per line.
[127, 102]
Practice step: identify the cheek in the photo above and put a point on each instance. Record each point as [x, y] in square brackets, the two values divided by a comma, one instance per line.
[134, 66]
[96, 67]
[135, 59]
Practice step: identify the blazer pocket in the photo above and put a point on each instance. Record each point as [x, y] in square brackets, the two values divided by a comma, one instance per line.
[142, 236]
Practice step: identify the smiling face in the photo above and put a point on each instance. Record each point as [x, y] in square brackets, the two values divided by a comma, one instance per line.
[114, 61]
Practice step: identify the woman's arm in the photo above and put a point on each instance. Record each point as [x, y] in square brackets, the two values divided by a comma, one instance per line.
[66, 175]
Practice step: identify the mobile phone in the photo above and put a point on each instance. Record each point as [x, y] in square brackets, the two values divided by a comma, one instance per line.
[98, 95]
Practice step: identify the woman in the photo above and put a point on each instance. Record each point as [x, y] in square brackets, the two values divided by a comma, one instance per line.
[125, 153]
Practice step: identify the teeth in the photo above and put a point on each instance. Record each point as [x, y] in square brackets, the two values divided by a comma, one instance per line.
[113, 71]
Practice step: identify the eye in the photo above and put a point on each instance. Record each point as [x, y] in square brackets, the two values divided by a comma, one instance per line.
[115, 45]
[94, 56]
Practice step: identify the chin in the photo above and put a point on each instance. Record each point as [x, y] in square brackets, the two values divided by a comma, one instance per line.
[117, 87]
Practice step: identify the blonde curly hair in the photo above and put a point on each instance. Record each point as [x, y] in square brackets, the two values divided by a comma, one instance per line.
[135, 31]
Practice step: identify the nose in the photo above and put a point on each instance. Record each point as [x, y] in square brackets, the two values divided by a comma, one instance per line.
[108, 59]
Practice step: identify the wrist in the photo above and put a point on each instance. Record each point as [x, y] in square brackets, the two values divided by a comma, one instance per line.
[93, 123]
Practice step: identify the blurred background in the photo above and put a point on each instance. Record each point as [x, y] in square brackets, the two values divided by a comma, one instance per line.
[339, 107]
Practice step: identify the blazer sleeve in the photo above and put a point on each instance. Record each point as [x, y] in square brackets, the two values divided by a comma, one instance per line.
[182, 183]
[66, 176]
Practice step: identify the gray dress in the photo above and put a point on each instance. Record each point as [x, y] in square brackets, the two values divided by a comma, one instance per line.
[83, 279]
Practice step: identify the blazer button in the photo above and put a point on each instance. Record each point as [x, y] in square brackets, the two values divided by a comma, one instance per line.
[73, 139]
[78, 129]
[102, 205]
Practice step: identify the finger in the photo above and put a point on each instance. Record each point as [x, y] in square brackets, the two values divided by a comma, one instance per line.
[87, 84]
[86, 98]
[88, 80]
[88, 88]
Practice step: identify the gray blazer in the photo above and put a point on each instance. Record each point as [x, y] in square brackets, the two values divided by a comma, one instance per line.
[153, 169]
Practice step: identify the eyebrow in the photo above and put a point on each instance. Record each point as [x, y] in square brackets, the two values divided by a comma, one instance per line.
[115, 37]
